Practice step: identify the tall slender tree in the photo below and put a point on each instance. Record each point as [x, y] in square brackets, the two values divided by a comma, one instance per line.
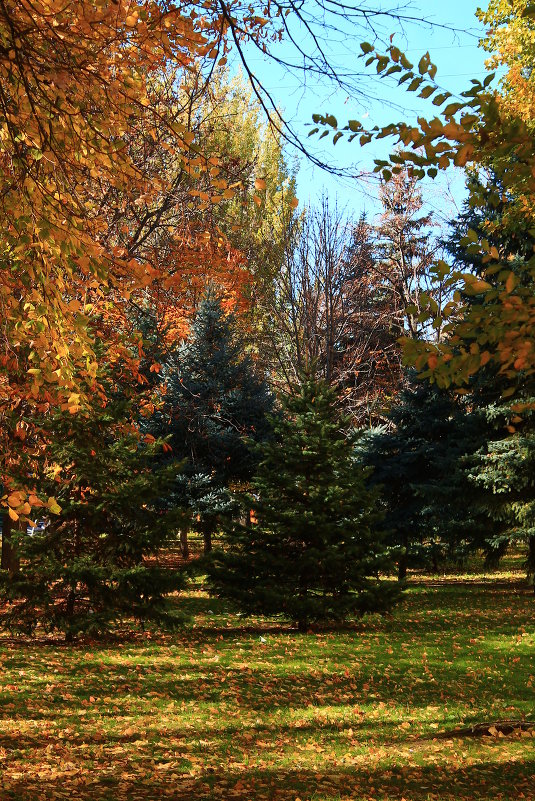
[213, 405]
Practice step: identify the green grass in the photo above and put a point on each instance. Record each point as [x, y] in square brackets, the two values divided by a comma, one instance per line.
[214, 712]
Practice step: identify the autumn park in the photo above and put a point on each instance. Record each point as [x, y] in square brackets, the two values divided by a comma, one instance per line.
[267, 400]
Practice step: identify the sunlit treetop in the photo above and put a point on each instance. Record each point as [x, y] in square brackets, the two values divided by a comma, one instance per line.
[511, 43]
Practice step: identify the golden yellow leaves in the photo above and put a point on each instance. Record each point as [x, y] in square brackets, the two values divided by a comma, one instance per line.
[20, 504]
[474, 285]
[463, 155]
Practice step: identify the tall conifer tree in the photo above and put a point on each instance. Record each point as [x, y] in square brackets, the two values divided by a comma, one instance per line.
[315, 551]
[214, 404]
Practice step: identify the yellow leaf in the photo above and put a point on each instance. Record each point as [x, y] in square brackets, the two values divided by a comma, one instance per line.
[53, 506]
[476, 286]
[463, 155]
[15, 499]
[510, 283]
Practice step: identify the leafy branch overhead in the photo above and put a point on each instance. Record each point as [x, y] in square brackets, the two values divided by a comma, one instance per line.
[477, 131]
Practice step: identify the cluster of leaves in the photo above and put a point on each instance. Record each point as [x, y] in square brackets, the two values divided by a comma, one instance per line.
[480, 130]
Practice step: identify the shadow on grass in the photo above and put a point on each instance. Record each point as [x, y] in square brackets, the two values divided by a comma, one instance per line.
[243, 734]
[477, 782]
[254, 688]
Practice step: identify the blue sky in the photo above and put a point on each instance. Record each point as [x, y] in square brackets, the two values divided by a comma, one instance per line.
[458, 59]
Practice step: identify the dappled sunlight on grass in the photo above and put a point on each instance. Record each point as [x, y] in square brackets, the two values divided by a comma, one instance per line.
[240, 709]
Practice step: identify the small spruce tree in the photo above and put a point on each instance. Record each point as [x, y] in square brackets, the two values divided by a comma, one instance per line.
[502, 474]
[419, 464]
[311, 550]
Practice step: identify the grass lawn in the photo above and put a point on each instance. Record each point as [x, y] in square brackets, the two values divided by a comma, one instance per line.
[224, 710]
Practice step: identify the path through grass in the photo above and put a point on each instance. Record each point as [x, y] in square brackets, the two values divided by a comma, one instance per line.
[223, 711]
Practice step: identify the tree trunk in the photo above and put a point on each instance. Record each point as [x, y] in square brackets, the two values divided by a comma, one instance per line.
[69, 613]
[302, 626]
[402, 567]
[530, 561]
[207, 534]
[10, 559]
[184, 545]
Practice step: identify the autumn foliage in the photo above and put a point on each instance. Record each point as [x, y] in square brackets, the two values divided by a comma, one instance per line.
[481, 130]
[87, 136]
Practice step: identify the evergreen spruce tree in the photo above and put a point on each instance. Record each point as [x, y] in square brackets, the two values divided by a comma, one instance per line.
[314, 552]
[92, 566]
[419, 464]
[502, 473]
[502, 468]
[214, 406]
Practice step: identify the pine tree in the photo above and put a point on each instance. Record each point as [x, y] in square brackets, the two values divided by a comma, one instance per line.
[503, 475]
[214, 404]
[314, 552]
[419, 464]
[92, 564]
[404, 252]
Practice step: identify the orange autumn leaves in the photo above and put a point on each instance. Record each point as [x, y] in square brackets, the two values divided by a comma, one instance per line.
[76, 79]
[80, 98]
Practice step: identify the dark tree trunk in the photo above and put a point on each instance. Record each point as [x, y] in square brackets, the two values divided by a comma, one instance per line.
[207, 535]
[69, 613]
[184, 545]
[530, 561]
[10, 559]
[402, 567]
[302, 625]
